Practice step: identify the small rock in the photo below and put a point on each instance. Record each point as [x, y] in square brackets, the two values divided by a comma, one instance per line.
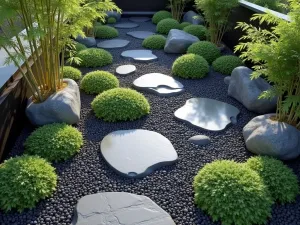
[227, 80]
[87, 41]
[200, 140]
[193, 18]
[140, 55]
[125, 69]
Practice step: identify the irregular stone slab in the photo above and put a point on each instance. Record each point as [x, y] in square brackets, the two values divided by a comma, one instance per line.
[208, 114]
[140, 34]
[114, 43]
[119, 208]
[113, 14]
[131, 154]
[265, 136]
[165, 91]
[139, 19]
[126, 69]
[87, 41]
[178, 41]
[200, 140]
[247, 91]
[126, 25]
[140, 55]
[193, 18]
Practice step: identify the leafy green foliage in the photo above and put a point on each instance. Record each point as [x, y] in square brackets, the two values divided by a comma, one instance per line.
[199, 31]
[79, 46]
[98, 81]
[71, 73]
[111, 20]
[190, 66]
[226, 64]
[54, 142]
[177, 7]
[94, 57]
[271, 4]
[24, 181]
[206, 49]
[155, 42]
[280, 180]
[161, 15]
[183, 25]
[120, 104]
[164, 26]
[232, 193]
[106, 32]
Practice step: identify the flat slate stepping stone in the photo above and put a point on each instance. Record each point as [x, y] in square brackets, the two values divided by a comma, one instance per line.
[140, 55]
[139, 19]
[114, 43]
[208, 114]
[140, 34]
[137, 153]
[158, 83]
[126, 25]
[126, 69]
[119, 208]
[200, 140]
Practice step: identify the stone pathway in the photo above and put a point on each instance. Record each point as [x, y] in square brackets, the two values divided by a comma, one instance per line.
[126, 25]
[140, 34]
[139, 19]
[140, 55]
[125, 69]
[114, 43]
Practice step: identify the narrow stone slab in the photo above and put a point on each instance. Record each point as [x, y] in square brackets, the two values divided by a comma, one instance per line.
[126, 25]
[139, 19]
[137, 153]
[208, 114]
[114, 43]
[119, 208]
[126, 69]
[140, 34]
[140, 55]
[200, 140]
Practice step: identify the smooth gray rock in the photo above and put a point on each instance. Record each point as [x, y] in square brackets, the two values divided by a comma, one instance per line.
[227, 80]
[113, 14]
[139, 19]
[247, 91]
[140, 34]
[264, 136]
[193, 18]
[87, 41]
[178, 41]
[140, 55]
[61, 107]
[137, 153]
[126, 25]
[126, 69]
[200, 140]
[119, 208]
[113, 43]
[208, 114]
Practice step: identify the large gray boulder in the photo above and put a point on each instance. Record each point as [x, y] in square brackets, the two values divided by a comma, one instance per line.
[87, 41]
[265, 136]
[178, 41]
[193, 18]
[61, 107]
[247, 91]
[114, 14]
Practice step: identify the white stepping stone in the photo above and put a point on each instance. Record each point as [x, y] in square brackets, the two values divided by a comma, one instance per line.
[139, 19]
[140, 34]
[208, 114]
[126, 69]
[126, 25]
[114, 43]
[137, 153]
[140, 55]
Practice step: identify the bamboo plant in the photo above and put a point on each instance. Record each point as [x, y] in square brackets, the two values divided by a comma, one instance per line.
[177, 7]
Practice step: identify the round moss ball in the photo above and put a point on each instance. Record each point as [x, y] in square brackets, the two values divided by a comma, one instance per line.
[164, 26]
[190, 66]
[98, 81]
[71, 73]
[120, 104]
[24, 181]
[54, 142]
[226, 64]
[232, 193]
[199, 31]
[206, 49]
[106, 32]
[155, 42]
[280, 180]
[94, 57]
[111, 20]
[161, 15]
[184, 24]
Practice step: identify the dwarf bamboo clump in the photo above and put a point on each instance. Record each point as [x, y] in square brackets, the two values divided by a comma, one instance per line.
[177, 8]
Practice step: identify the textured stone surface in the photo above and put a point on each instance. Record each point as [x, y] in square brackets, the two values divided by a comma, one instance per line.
[137, 153]
[264, 136]
[140, 34]
[178, 41]
[61, 107]
[87, 41]
[119, 208]
[125, 69]
[140, 55]
[247, 91]
[200, 140]
[114, 43]
[114, 14]
[126, 25]
[137, 19]
[208, 114]
[227, 80]
[193, 18]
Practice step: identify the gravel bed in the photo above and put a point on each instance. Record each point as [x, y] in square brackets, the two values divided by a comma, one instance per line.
[170, 187]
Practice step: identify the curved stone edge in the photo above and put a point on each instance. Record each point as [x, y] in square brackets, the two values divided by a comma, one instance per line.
[113, 47]
[153, 91]
[142, 61]
[121, 74]
[117, 26]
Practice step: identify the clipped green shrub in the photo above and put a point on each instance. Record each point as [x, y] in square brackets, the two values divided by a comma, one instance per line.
[98, 81]
[232, 193]
[206, 49]
[79, 46]
[54, 142]
[161, 15]
[120, 104]
[73, 48]
[164, 26]
[94, 57]
[72, 73]
[24, 181]
[155, 42]
[190, 66]
[111, 20]
[199, 31]
[280, 180]
[184, 24]
[106, 32]
[226, 64]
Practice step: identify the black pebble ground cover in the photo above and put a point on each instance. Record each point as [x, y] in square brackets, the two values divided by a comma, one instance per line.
[170, 187]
